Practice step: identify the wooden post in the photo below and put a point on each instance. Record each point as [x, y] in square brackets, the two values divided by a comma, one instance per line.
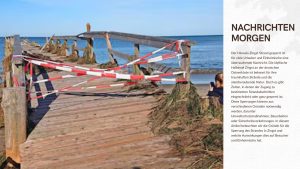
[90, 42]
[109, 49]
[185, 64]
[91, 48]
[136, 68]
[18, 73]
[15, 120]
[64, 48]
[186, 61]
[74, 53]
[89, 55]
[56, 47]
[14, 105]
[88, 27]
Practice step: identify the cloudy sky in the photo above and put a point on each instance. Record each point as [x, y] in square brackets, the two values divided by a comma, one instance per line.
[149, 17]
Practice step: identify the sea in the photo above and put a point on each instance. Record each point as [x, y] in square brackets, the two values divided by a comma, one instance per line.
[206, 53]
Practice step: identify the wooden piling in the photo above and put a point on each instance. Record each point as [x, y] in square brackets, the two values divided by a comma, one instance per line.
[15, 119]
[185, 65]
[74, 53]
[88, 54]
[56, 47]
[64, 48]
[14, 105]
[17, 65]
[186, 61]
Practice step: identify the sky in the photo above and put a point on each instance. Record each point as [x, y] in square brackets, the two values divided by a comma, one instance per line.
[148, 17]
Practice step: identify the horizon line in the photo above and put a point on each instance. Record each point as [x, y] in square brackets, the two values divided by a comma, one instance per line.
[139, 34]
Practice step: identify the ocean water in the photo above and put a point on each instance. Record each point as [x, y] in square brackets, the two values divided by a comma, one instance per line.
[207, 53]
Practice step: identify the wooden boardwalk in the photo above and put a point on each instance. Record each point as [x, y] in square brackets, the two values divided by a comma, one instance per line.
[98, 128]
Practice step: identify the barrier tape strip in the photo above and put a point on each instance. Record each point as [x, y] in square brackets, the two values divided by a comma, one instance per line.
[160, 58]
[113, 74]
[140, 60]
[61, 64]
[178, 43]
[75, 88]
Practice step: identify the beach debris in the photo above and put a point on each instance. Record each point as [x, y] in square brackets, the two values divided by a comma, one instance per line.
[173, 109]
[108, 65]
[34, 44]
[194, 124]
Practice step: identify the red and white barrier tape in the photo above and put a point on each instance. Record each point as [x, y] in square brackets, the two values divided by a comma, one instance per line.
[178, 43]
[110, 74]
[160, 58]
[141, 60]
[27, 58]
[75, 88]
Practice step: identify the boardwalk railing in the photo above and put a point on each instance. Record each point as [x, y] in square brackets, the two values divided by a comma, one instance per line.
[137, 40]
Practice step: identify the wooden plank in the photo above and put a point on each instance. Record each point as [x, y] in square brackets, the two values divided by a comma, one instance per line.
[82, 138]
[68, 37]
[138, 142]
[81, 117]
[93, 106]
[15, 117]
[92, 34]
[86, 125]
[153, 41]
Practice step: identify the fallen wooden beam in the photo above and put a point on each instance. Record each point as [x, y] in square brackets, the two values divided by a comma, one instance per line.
[120, 54]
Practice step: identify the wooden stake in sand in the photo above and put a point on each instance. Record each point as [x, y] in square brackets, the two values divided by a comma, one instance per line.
[74, 55]
[88, 54]
[136, 68]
